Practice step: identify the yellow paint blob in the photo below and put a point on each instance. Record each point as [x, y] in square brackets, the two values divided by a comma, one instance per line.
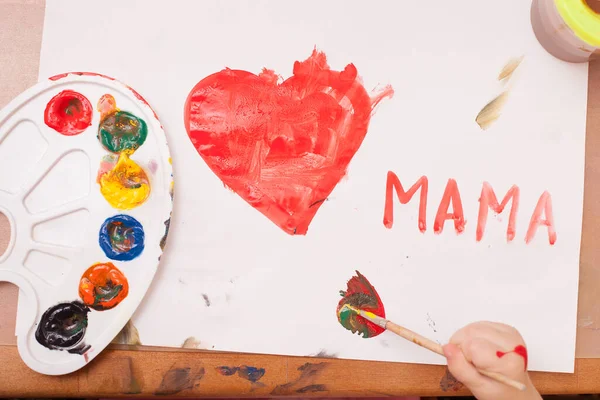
[126, 186]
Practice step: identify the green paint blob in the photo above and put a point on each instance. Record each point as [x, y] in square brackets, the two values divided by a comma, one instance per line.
[122, 131]
[347, 318]
[106, 293]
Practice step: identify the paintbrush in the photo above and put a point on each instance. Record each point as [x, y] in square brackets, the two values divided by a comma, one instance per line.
[428, 344]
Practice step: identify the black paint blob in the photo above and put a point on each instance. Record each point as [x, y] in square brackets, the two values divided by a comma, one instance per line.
[63, 326]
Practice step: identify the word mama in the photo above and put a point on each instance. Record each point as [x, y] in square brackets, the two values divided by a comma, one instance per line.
[542, 214]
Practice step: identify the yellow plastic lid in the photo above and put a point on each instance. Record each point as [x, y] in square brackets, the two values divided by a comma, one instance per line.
[582, 20]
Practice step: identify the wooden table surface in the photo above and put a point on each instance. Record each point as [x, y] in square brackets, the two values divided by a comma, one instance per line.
[146, 371]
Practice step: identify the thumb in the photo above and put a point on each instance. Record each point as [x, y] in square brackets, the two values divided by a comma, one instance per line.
[462, 369]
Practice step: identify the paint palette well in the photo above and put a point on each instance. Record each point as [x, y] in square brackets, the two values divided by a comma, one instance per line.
[86, 183]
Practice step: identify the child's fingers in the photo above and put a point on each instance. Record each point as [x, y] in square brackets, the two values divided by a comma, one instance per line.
[483, 354]
[461, 368]
[503, 336]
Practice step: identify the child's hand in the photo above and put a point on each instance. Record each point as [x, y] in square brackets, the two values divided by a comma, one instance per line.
[492, 347]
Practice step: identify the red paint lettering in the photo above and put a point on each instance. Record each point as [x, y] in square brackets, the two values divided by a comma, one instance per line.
[450, 194]
[489, 200]
[393, 183]
[544, 206]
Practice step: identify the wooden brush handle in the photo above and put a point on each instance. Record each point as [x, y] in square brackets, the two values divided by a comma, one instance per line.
[437, 348]
[415, 338]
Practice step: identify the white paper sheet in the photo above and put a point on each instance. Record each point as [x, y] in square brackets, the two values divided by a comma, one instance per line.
[270, 292]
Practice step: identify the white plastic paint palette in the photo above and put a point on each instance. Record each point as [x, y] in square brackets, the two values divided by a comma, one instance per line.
[89, 211]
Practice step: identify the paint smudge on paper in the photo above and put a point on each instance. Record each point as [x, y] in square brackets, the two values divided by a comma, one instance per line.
[191, 343]
[508, 69]
[491, 112]
[206, 299]
[103, 286]
[324, 354]
[362, 295]
[450, 383]
[121, 238]
[309, 373]
[281, 146]
[518, 350]
[431, 323]
[126, 185]
[152, 166]
[179, 379]
[128, 335]
[251, 374]
[119, 131]
[163, 240]
[68, 113]
[63, 327]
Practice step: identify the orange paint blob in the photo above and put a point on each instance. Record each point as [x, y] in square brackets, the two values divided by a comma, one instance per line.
[103, 286]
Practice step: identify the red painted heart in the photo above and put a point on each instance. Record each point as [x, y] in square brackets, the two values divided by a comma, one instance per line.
[282, 147]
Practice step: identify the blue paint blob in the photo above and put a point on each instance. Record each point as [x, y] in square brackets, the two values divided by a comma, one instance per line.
[121, 238]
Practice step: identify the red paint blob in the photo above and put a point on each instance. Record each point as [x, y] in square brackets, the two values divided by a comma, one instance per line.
[362, 295]
[282, 147]
[519, 350]
[135, 93]
[69, 113]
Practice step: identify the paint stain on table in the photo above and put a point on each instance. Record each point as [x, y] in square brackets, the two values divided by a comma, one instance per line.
[305, 383]
[251, 374]
[449, 383]
[176, 380]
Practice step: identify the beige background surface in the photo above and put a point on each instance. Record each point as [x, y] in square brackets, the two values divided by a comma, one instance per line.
[21, 25]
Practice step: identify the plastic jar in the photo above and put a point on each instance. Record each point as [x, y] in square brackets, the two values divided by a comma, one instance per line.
[568, 29]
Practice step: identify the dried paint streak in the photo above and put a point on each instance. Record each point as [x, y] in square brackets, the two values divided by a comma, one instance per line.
[126, 186]
[103, 286]
[63, 327]
[324, 354]
[281, 146]
[128, 335]
[179, 379]
[491, 112]
[308, 374]
[191, 343]
[510, 67]
[64, 75]
[68, 113]
[362, 295]
[121, 238]
[450, 383]
[206, 299]
[518, 350]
